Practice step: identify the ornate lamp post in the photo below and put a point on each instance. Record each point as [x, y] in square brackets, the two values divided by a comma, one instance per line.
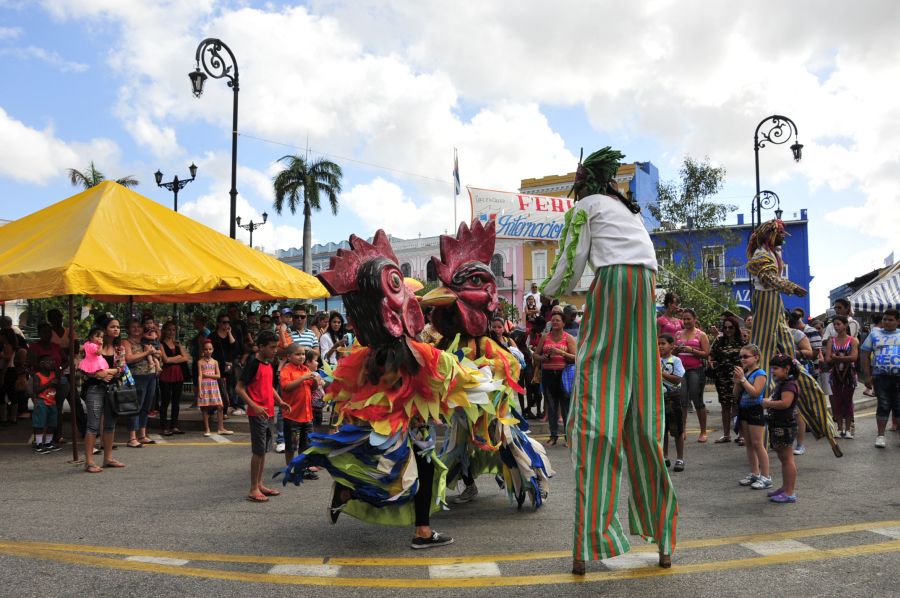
[252, 226]
[209, 56]
[176, 184]
[777, 131]
[765, 199]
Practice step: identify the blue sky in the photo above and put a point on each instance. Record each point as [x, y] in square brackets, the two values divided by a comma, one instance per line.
[399, 85]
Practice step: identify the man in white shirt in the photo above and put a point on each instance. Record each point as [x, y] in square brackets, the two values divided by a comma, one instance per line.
[534, 293]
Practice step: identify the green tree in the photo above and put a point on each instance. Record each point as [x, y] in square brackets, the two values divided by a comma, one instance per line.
[709, 298]
[300, 184]
[92, 177]
[688, 200]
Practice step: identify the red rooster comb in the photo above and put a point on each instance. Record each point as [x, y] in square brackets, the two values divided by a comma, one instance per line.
[341, 276]
[469, 245]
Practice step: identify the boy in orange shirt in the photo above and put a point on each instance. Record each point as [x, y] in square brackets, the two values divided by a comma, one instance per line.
[297, 382]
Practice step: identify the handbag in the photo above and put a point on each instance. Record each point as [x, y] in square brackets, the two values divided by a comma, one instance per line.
[568, 378]
[123, 400]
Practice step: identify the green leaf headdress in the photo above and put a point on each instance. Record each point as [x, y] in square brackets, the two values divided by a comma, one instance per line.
[596, 171]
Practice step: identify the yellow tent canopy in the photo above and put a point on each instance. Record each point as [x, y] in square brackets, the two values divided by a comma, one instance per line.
[113, 243]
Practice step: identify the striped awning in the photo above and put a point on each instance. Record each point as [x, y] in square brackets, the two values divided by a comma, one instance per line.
[880, 294]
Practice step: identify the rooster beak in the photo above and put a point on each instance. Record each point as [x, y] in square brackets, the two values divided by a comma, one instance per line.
[439, 297]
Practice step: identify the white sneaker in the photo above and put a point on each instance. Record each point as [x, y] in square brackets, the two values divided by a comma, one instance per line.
[279, 448]
[800, 450]
[879, 442]
[762, 483]
[749, 479]
[238, 412]
[848, 435]
[466, 495]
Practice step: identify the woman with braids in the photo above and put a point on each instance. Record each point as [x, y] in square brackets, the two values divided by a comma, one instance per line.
[617, 399]
[723, 358]
[770, 331]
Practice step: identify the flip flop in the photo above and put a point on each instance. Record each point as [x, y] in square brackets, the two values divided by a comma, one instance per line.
[147, 440]
[93, 469]
[138, 445]
[177, 431]
[114, 464]
[702, 438]
[270, 492]
[207, 434]
[723, 440]
[225, 432]
[257, 498]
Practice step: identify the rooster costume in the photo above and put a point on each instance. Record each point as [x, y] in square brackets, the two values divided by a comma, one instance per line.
[387, 392]
[617, 393]
[489, 436]
[770, 332]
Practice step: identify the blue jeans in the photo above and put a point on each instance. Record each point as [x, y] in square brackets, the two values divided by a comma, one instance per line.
[145, 384]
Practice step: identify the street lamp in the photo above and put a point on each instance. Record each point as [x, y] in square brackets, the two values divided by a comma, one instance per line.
[766, 199]
[778, 132]
[209, 56]
[176, 184]
[251, 226]
[512, 288]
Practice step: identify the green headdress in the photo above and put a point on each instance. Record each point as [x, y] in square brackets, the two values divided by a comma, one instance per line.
[596, 171]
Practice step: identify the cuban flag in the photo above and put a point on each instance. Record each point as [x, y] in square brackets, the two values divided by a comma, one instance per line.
[456, 185]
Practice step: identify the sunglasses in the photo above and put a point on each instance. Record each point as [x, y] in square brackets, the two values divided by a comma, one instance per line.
[301, 316]
[224, 321]
[727, 327]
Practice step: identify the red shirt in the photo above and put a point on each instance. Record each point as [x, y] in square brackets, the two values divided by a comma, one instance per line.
[299, 398]
[258, 378]
[48, 395]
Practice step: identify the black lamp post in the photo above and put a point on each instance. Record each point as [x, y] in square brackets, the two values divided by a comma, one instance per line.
[251, 226]
[778, 131]
[176, 184]
[512, 288]
[209, 56]
[766, 199]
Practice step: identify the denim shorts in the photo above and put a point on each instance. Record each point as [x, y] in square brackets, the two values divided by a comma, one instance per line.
[752, 415]
[43, 416]
[95, 406]
[887, 389]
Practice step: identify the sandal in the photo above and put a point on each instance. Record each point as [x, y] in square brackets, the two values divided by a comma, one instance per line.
[147, 440]
[137, 444]
[269, 491]
[257, 498]
[114, 464]
[702, 438]
[225, 432]
[93, 469]
[723, 440]
[177, 431]
[207, 434]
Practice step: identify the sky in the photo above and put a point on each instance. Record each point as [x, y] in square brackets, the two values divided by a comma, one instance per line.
[389, 89]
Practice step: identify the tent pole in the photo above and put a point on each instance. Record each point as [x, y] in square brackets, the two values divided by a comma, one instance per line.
[73, 411]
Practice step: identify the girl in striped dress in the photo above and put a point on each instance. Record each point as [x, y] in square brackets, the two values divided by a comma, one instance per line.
[617, 398]
[209, 398]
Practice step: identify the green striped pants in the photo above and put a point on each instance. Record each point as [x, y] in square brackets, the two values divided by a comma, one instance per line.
[771, 334]
[617, 403]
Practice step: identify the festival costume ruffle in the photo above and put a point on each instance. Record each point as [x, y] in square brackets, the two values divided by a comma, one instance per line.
[490, 436]
[381, 429]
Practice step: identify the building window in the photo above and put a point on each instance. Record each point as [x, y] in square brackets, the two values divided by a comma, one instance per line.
[713, 259]
[430, 272]
[406, 269]
[538, 265]
[664, 257]
[497, 265]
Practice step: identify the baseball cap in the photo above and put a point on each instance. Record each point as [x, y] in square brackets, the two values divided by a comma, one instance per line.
[286, 310]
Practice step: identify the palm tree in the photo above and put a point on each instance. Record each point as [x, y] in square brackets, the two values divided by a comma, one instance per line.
[92, 177]
[303, 181]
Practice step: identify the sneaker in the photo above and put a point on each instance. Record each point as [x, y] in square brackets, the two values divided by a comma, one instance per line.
[38, 449]
[842, 434]
[800, 450]
[465, 496]
[51, 447]
[848, 435]
[749, 479]
[279, 448]
[435, 539]
[679, 465]
[762, 483]
[238, 412]
[784, 498]
[772, 493]
[879, 442]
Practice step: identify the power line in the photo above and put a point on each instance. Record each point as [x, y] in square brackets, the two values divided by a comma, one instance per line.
[333, 155]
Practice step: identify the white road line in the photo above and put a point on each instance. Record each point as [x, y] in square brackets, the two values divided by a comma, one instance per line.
[777, 547]
[464, 570]
[306, 570]
[219, 438]
[631, 560]
[159, 439]
[158, 560]
[890, 532]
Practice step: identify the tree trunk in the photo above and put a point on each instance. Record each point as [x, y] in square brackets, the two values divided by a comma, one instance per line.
[307, 238]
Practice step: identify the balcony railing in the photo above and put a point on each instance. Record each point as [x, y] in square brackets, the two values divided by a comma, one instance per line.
[721, 274]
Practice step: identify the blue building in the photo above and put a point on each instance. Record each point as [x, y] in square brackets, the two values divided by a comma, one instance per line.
[720, 254]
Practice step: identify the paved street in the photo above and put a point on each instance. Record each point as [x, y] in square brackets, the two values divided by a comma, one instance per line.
[175, 522]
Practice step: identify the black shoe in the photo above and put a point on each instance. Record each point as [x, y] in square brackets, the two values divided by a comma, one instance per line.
[435, 539]
[339, 497]
[38, 449]
[51, 447]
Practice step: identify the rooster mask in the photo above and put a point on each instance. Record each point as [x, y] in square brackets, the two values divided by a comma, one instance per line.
[466, 301]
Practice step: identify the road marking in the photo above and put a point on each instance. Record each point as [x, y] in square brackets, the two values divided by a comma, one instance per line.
[427, 561]
[776, 547]
[219, 438]
[464, 570]
[890, 532]
[305, 570]
[631, 560]
[466, 582]
[158, 560]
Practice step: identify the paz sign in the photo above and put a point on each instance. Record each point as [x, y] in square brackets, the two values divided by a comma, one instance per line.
[520, 215]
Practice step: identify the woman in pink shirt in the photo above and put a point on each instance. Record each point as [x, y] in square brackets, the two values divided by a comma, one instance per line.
[555, 351]
[668, 323]
[692, 347]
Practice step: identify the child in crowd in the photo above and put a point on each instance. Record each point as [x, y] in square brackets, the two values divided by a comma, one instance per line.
[297, 383]
[210, 399]
[672, 373]
[93, 362]
[318, 391]
[783, 424]
[257, 387]
[750, 385]
[43, 417]
[151, 337]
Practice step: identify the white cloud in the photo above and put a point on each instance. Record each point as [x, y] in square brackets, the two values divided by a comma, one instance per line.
[51, 58]
[36, 156]
[10, 33]
[383, 204]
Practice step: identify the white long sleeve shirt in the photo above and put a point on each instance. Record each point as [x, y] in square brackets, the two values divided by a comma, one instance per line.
[611, 235]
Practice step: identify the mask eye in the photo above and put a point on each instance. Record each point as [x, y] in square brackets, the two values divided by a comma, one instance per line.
[396, 281]
[476, 281]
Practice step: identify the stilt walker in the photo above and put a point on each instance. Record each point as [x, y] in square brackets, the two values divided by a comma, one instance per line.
[617, 399]
[770, 332]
